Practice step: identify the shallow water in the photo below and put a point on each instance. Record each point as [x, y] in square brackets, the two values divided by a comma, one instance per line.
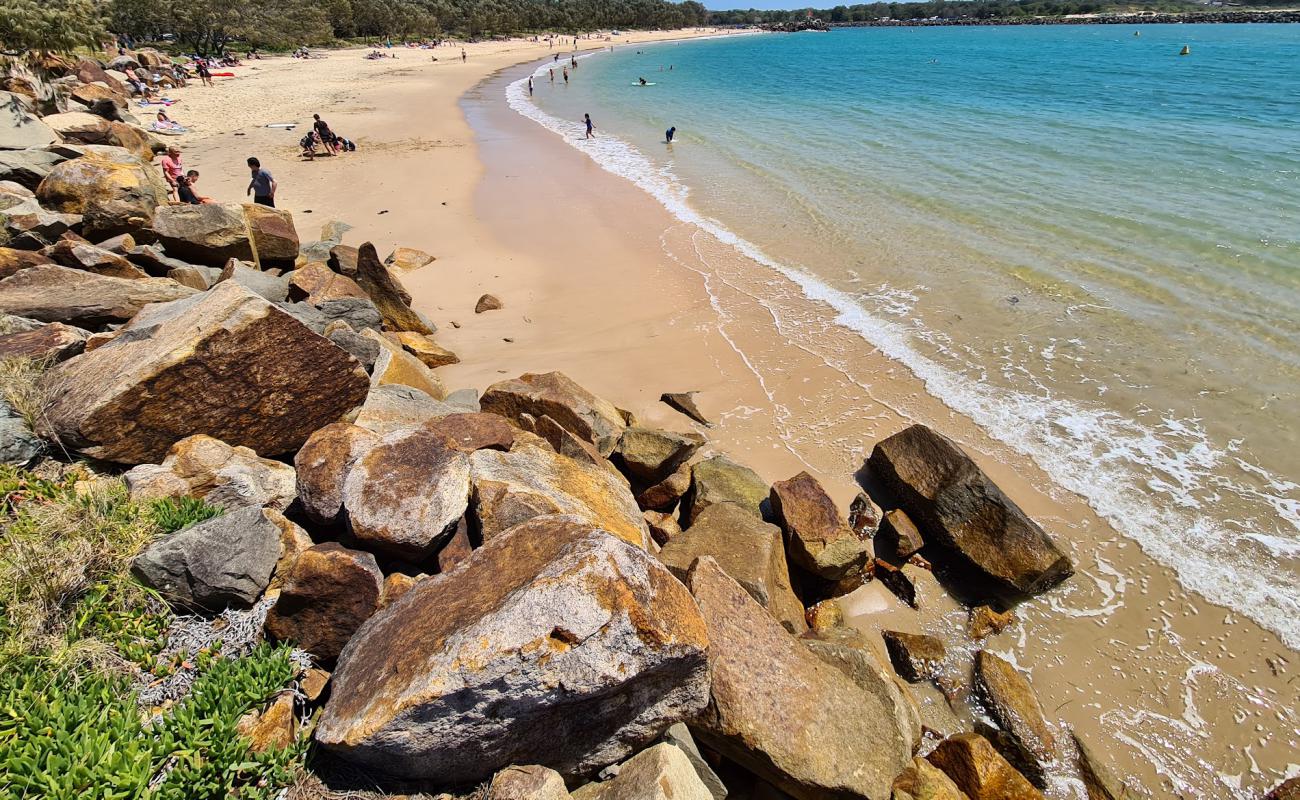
[1084, 242]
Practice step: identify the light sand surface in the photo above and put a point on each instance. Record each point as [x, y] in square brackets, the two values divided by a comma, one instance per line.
[601, 282]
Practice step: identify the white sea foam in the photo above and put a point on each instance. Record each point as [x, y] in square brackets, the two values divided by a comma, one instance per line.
[1148, 479]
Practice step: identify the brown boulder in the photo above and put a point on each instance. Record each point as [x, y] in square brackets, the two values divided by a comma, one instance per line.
[899, 535]
[79, 126]
[135, 140]
[663, 527]
[12, 261]
[386, 293]
[1027, 741]
[924, 781]
[472, 431]
[210, 470]
[395, 366]
[847, 650]
[554, 395]
[82, 255]
[322, 466]
[274, 238]
[1100, 783]
[408, 258]
[395, 407]
[90, 93]
[430, 353]
[555, 643]
[747, 549]
[662, 772]
[210, 234]
[684, 403]
[864, 515]
[405, 495]
[781, 712]
[663, 496]
[266, 285]
[648, 456]
[49, 343]
[315, 283]
[985, 621]
[27, 226]
[225, 363]
[531, 479]
[989, 541]
[721, 480]
[88, 71]
[487, 302]
[916, 657]
[57, 294]
[527, 783]
[330, 592]
[977, 769]
[114, 191]
[275, 728]
[817, 536]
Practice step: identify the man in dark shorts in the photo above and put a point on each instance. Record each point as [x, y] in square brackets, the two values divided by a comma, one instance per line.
[324, 133]
[262, 187]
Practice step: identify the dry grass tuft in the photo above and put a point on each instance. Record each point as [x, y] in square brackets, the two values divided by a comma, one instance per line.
[56, 541]
[19, 387]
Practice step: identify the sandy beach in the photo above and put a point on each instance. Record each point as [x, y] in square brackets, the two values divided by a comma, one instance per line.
[600, 282]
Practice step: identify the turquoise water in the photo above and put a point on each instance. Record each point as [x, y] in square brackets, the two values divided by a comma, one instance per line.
[1084, 242]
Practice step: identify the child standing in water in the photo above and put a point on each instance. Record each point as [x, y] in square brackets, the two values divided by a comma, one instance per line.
[590, 127]
[668, 134]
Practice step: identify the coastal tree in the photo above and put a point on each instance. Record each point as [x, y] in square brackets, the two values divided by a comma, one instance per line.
[50, 25]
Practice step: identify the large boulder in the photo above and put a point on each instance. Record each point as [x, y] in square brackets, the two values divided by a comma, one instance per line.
[12, 261]
[555, 643]
[405, 495]
[315, 283]
[226, 560]
[423, 347]
[531, 782]
[989, 542]
[210, 233]
[747, 549]
[532, 480]
[662, 772]
[210, 470]
[721, 480]
[57, 294]
[79, 126]
[225, 363]
[114, 191]
[395, 366]
[27, 226]
[819, 539]
[396, 407]
[90, 71]
[647, 455]
[359, 313]
[386, 292]
[977, 769]
[49, 343]
[1025, 737]
[330, 591]
[924, 781]
[406, 259]
[781, 712]
[322, 466]
[75, 254]
[267, 285]
[27, 167]
[19, 127]
[274, 238]
[555, 395]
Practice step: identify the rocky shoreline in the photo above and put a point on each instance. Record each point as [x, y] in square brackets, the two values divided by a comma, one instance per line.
[525, 589]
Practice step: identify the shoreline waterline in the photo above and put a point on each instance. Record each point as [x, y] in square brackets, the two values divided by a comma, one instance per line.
[1129, 601]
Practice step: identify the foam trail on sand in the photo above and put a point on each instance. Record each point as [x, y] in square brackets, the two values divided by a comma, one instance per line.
[1149, 480]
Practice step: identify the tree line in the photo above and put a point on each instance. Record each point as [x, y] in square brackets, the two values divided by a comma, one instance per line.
[210, 26]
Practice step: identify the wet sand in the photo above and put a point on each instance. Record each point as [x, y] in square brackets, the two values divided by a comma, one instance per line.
[599, 281]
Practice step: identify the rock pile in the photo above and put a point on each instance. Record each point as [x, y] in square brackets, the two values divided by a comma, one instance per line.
[529, 589]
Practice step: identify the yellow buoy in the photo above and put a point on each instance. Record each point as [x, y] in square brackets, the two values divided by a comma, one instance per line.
[1186, 51]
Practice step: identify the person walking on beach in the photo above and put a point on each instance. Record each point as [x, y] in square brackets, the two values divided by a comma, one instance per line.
[530, 85]
[262, 187]
[591, 128]
[463, 57]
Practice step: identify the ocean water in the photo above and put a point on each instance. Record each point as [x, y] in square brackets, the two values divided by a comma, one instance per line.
[1084, 242]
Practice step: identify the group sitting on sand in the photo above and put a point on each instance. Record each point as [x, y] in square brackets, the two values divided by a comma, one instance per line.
[322, 135]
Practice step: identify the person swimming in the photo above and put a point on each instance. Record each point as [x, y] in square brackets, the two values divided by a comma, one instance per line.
[670, 133]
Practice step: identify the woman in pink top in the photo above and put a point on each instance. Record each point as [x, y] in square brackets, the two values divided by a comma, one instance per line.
[172, 169]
